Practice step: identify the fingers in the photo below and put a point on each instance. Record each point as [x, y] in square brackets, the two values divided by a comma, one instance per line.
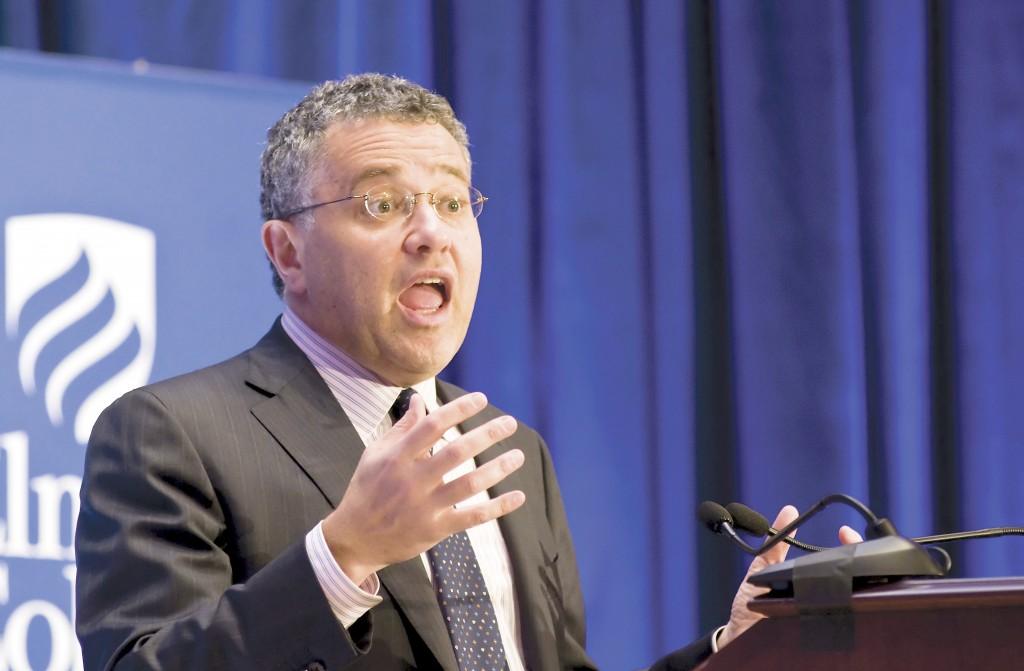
[476, 514]
[421, 431]
[479, 479]
[741, 617]
[782, 520]
[785, 517]
[470, 445]
[848, 536]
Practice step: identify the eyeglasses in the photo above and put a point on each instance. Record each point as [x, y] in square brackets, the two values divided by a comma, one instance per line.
[386, 204]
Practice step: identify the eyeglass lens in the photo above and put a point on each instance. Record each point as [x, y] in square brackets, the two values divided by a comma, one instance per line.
[452, 205]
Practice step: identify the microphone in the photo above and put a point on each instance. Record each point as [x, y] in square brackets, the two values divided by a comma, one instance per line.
[713, 516]
[877, 527]
[749, 520]
[884, 556]
[721, 521]
[718, 520]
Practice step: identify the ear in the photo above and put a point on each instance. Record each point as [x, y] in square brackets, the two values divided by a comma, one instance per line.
[283, 242]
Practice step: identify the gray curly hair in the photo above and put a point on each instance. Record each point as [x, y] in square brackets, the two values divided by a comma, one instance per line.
[295, 143]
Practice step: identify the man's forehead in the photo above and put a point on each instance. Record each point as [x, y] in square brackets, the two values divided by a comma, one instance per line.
[368, 148]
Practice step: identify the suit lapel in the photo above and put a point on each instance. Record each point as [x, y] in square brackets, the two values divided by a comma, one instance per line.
[304, 417]
[302, 414]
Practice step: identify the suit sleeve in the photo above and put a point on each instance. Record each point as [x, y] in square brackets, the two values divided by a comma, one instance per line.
[155, 588]
[573, 642]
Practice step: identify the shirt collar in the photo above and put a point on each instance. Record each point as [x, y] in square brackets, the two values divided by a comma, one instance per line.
[362, 395]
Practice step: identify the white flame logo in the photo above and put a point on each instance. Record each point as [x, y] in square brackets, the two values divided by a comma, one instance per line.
[41, 248]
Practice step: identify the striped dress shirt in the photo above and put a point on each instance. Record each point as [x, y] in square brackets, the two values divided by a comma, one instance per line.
[367, 402]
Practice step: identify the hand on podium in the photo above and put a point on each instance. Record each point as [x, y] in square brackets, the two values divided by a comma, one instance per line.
[742, 618]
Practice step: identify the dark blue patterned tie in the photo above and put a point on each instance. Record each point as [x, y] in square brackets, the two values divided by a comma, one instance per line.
[461, 593]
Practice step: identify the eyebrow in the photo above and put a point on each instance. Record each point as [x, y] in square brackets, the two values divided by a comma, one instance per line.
[390, 170]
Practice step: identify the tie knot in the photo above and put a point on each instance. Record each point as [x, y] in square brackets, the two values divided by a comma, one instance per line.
[401, 405]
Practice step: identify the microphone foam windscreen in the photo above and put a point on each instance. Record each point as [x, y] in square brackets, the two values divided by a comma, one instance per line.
[748, 519]
[713, 515]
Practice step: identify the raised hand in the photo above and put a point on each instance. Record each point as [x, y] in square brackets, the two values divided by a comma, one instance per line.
[397, 504]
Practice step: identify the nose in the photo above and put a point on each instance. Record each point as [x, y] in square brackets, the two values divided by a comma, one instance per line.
[427, 232]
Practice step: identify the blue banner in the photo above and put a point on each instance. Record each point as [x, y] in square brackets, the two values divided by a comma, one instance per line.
[129, 214]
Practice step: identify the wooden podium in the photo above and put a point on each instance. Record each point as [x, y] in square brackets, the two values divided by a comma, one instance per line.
[904, 626]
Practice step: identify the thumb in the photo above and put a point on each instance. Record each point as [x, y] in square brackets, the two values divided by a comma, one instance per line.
[848, 536]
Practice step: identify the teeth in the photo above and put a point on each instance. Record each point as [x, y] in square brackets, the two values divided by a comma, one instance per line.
[438, 283]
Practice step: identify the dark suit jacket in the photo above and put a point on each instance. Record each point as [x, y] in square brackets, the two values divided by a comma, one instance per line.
[196, 498]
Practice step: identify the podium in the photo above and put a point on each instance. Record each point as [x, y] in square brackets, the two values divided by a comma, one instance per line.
[907, 625]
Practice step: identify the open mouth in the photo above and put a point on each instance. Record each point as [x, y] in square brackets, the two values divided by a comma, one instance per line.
[426, 295]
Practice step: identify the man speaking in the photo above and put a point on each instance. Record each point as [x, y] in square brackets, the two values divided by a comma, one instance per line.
[322, 501]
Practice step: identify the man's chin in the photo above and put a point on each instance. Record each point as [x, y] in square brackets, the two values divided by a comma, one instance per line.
[411, 355]
[412, 368]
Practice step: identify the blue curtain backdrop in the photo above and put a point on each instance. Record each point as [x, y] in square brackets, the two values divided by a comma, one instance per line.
[740, 250]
